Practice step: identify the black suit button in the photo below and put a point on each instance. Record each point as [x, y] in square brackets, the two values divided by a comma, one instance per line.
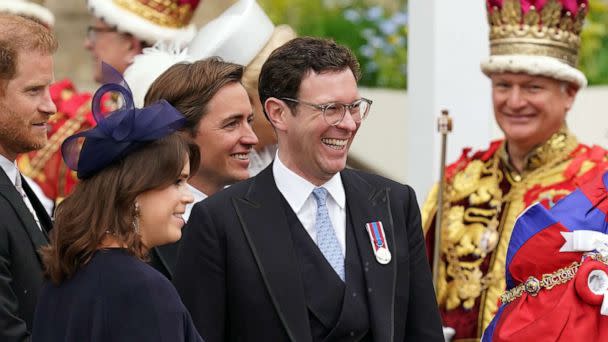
[369, 290]
[354, 294]
[24, 291]
[352, 333]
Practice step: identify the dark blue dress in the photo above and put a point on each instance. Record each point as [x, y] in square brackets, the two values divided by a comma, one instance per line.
[115, 297]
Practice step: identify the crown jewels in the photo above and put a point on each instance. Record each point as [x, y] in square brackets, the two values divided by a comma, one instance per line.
[551, 31]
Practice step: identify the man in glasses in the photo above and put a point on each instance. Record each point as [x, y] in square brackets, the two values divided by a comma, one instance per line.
[119, 31]
[308, 250]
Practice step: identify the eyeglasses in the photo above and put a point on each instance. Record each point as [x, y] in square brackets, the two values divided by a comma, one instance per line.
[92, 31]
[334, 113]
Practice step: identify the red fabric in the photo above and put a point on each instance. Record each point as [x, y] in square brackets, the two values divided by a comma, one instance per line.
[465, 321]
[193, 3]
[571, 180]
[565, 313]
[571, 6]
[494, 146]
[464, 160]
[596, 192]
[580, 283]
[529, 261]
[56, 89]
[583, 153]
[561, 190]
[452, 169]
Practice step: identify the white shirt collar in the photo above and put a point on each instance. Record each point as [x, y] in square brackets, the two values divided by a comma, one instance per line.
[259, 160]
[10, 168]
[196, 193]
[198, 196]
[296, 189]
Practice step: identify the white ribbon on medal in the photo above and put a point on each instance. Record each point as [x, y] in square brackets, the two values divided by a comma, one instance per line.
[585, 241]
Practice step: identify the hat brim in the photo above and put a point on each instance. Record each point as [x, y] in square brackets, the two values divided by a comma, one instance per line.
[149, 65]
[236, 36]
[534, 65]
[30, 10]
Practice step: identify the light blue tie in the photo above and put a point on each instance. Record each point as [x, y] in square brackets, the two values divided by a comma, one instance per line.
[326, 237]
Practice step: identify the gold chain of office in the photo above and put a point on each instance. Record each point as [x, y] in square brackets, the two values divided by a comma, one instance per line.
[533, 285]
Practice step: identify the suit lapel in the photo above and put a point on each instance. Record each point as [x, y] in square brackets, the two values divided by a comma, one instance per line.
[265, 226]
[43, 217]
[165, 257]
[368, 204]
[8, 191]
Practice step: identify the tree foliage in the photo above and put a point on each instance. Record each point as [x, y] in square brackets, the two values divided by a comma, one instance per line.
[377, 33]
[593, 58]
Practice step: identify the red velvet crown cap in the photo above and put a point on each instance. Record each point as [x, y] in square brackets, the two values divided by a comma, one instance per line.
[572, 6]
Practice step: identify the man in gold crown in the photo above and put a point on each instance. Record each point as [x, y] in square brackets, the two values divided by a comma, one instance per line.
[532, 68]
[119, 31]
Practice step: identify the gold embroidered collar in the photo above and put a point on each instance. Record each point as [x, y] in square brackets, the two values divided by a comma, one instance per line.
[555, 149]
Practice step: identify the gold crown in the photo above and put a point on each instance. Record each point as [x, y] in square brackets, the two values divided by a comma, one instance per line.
[167, 13]
[548, 32]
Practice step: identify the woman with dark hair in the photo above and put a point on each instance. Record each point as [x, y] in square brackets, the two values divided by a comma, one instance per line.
[133, 167]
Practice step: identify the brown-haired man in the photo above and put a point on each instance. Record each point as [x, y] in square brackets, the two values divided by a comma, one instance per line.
[219, 114]
[268, 259]
[26, 71]
[118, 31]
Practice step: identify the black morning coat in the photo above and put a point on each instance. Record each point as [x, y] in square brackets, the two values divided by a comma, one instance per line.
[236, 269]
[21, 270]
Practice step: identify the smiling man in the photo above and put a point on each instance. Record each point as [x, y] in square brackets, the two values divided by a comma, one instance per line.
[534, 80]
[219, 115]
[26, 72]
[121, 29]
[308, 250]
[118, 31]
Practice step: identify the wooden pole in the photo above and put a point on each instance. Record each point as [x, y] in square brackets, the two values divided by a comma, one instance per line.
[444, 126]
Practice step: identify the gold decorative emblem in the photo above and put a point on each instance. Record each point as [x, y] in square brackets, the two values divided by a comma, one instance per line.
[475, 225]
[548, 33]
[470, 233]
[532, 285]
[168, 13]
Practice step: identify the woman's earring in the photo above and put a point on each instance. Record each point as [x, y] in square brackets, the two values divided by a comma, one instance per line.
[136, 218]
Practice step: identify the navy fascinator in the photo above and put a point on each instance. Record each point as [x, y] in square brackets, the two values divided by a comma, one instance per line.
[120, 132]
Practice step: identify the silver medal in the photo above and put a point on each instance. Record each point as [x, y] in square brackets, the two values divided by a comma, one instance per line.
[383, 255]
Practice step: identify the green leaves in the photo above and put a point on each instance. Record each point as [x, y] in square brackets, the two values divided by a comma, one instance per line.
[376, 34]
[593, 56]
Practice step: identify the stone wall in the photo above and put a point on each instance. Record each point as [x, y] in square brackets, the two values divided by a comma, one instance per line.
[72, 19]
